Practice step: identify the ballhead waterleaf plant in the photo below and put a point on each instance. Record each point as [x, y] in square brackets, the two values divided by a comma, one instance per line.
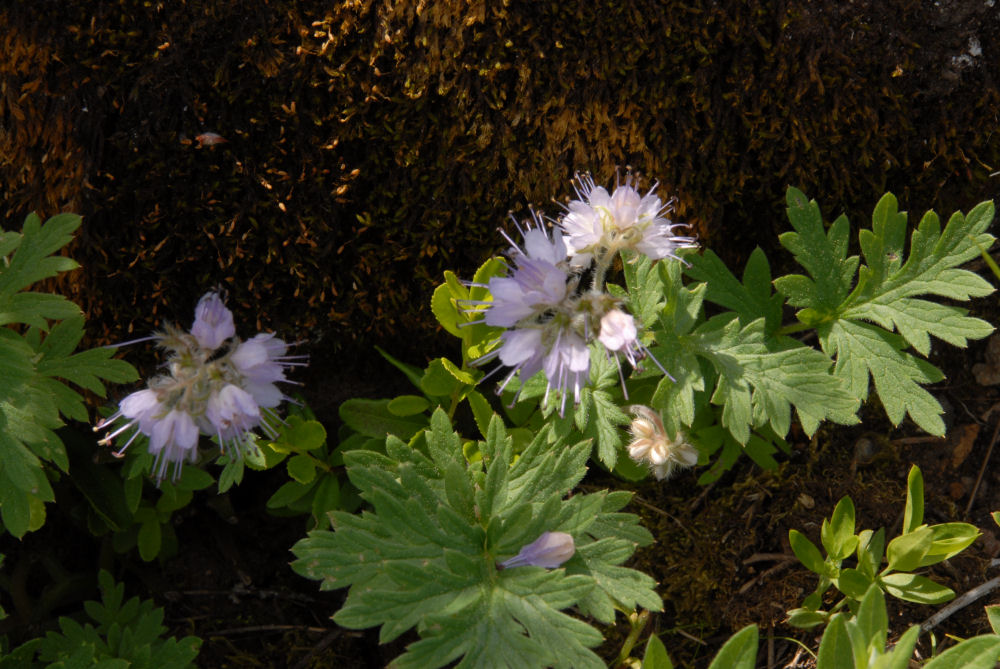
[430, 553]
[739, 368]
[39, 333]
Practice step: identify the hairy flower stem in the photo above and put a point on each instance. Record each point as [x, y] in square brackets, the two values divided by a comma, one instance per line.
[637, 623]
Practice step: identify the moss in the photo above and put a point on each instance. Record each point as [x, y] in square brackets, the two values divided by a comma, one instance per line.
[373, 144]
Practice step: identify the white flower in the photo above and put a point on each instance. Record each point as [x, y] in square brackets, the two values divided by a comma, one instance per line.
[618, 331]
[213, 322]
[602, 223]
[549, 550]
[651, 445]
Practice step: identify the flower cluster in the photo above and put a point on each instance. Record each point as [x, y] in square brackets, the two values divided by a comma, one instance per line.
[549, 320]
[216, 385]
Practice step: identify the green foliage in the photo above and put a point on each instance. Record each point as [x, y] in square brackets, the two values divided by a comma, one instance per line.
[426, 555]
[124, 502]
[739, 652]
[37, 342]
[918, 546]
[128, 635]
[866, 326]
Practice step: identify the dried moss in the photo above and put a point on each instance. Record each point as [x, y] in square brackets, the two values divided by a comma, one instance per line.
[373, 144]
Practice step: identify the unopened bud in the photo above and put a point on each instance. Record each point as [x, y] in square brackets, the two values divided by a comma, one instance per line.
[549, 550]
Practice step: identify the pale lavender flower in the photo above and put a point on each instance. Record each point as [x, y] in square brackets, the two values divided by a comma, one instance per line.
[213, 322]
[261, 361]
[537, 302]
[650, 444]
[566, 365]
[602, 223]
[538, 283]
[232, 414]
[549, 550]
[215, 385]
[141, 408]
[172, 440]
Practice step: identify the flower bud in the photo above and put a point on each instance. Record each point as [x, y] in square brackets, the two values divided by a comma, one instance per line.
[213, 322]
[549, 550]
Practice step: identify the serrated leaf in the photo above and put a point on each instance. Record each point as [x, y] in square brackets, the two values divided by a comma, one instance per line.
[751, 298]
[864, 350]
[32, 260]
[857, 328]
[758, 386]
[426, 555]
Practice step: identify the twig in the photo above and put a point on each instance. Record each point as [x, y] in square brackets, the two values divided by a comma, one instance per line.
[982, 470]
[267, 628]
[760, 577]
[701, 498]
[769, 557]
[960, 603]
[324, 643]
[690, 636]
[643, 503]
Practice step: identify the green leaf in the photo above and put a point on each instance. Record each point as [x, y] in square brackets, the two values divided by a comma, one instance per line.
[301, 435]
[150, 537]
[655, 655]
[872, 620]
[326, 499]
[758, 386]
[408, 405]
[806, 552]
[853, 583]
[993, 615]
[807, 618]
[835, 651]
[948, 540]
[916, 588]
[739, 652]
[603, 424]
[751, 298]
[837, 534]
[301, 468]
[906, 551]
[979, 652]
[482, 412]
[913, 514]
[426, 554]
[373, 418]
[33, 260]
